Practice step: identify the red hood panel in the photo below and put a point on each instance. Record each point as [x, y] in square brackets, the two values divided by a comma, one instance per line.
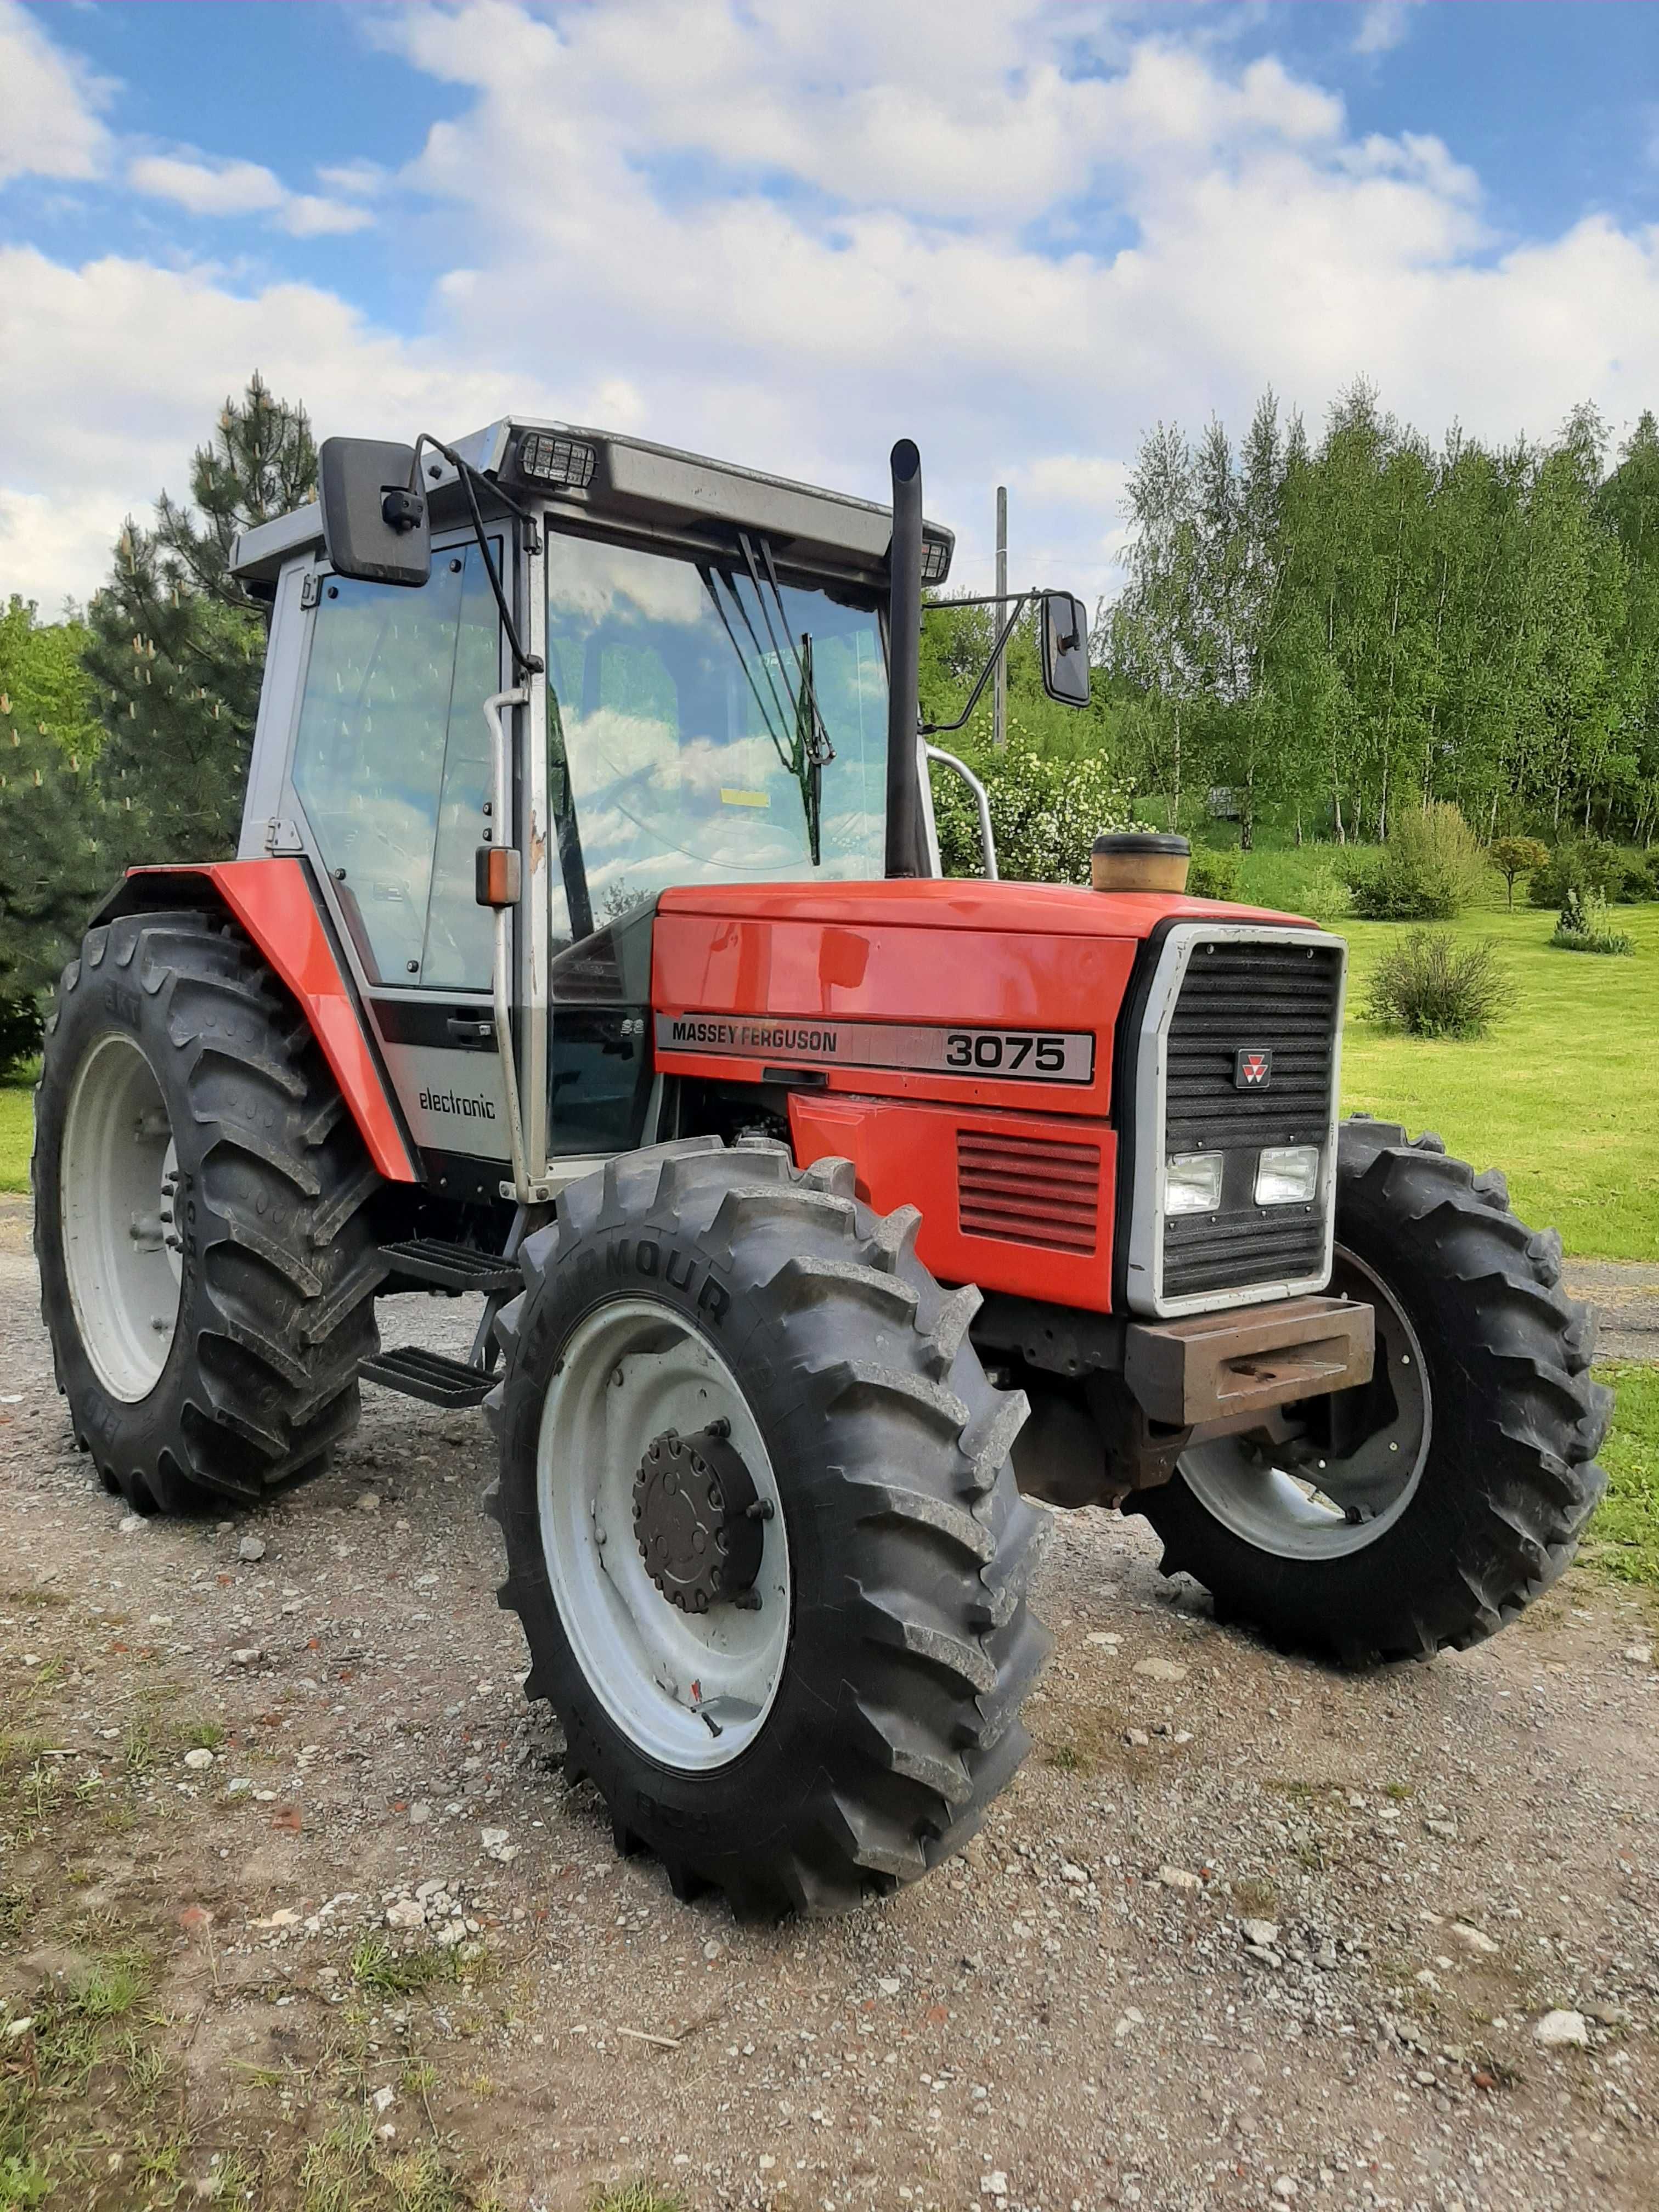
[959, 903]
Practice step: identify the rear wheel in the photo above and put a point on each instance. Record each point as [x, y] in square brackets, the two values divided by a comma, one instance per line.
[200, 1218]
[762, 1530]
[1429, 1507]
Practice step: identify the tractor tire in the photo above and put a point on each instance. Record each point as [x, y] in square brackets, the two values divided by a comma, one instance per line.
[201, 1219]
[1496, 1475]
[883, 1645]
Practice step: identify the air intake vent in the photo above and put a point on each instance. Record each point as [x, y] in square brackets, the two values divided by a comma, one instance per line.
[1028, 1191]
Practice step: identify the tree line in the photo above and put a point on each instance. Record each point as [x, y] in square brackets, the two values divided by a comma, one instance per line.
[1330, 631]
[125, 727]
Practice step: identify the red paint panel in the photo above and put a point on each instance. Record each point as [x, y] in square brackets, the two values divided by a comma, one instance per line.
[909, 1154]
[957, 904]
[274, 902]
[898, 969]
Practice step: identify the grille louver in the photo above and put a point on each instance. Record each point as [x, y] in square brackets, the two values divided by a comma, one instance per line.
[1285, 998]
[1028, 1190]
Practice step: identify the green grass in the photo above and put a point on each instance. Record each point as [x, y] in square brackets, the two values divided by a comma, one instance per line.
[1624, 1537]
[17, 1133]
[1555, 1094]
[376, 1966]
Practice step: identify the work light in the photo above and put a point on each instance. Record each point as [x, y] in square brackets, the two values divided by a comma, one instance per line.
[936, 552]
[564, 462]
[1287, 1175]
[1192, 1182]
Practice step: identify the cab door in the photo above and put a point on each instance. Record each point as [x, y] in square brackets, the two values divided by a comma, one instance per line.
[392, 779]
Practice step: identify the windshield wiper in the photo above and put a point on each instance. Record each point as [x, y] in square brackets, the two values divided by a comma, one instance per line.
[797, 733]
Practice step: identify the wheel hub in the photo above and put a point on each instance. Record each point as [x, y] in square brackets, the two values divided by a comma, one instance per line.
[698, 1519]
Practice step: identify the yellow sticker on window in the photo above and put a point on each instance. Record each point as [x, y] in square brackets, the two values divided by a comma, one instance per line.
[745, 799]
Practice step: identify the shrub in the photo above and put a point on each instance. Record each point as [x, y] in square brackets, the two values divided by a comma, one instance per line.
[1637, 883]
[1326, 896]
[1516, 856]
[1432, 866]
[21, 1028]
[1045, 813]
[1583, 925]
[1429, 985]
[1581, 864]
[1212, 875]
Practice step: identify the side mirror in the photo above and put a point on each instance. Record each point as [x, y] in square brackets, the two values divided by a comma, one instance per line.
[1065, 623]
[375, 525]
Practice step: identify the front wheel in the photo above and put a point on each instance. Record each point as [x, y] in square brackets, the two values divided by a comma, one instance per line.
[762, 1529]
[1429, 1507]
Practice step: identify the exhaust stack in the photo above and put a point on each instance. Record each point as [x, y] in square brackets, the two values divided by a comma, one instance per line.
[904, 840]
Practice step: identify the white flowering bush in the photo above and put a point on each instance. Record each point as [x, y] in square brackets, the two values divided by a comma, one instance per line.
[1045, 812]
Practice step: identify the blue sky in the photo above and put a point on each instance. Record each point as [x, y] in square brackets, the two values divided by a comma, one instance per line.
[1022, 233]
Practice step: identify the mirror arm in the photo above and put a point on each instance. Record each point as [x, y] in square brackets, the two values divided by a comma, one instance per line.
[1021, 600]
[524, 664]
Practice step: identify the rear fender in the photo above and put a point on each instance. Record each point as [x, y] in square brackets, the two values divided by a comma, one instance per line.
[275, 902]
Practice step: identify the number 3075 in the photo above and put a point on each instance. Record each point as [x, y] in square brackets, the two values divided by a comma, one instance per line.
[1004, 1051]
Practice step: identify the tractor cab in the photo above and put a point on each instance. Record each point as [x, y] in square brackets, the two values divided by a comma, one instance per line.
[519, 688]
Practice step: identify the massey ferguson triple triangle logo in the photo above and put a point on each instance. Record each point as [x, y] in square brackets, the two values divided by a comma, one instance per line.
[1252, 1070]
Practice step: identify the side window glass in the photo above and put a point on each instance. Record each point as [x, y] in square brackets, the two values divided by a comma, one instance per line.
[391, 765]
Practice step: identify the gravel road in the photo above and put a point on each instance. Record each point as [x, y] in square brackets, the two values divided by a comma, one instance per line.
[1244, 1933]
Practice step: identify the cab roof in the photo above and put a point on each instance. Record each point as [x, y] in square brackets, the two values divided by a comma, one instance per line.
[651, 491]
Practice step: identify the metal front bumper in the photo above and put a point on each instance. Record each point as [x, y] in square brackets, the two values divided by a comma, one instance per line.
[1227, 1366]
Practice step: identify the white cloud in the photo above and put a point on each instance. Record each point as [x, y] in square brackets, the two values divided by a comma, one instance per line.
[49, 122]
[791, 235]
[1383, 25]
[303, 215]
[206, 187]
[359, 179]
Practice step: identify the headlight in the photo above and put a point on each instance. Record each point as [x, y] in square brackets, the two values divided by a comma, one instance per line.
[1192, 1182]
[1287, 1175]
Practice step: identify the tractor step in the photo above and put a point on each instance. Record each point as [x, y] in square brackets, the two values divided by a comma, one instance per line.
[430, 1375]
[451, 1266]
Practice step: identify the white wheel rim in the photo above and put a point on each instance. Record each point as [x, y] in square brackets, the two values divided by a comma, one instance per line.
[689, 1690]
[1298, 1513]
[118, 1171]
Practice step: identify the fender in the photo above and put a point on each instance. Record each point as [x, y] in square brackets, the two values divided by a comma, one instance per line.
[275, 902]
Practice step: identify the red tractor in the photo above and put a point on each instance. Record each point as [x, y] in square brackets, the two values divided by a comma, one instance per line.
[587, 948]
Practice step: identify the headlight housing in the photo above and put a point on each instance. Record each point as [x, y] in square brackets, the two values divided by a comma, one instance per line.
[1287, 1175]
[1192, 1182]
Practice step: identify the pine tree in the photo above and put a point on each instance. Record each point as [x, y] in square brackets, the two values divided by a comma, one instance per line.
[177, 648]
[52, 864]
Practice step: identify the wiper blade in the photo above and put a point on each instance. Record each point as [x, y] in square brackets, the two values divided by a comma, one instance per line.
[799, 738]
[811, 749]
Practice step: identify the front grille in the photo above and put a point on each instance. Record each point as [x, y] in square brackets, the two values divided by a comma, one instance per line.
[1031, 1190]
[1283, 998]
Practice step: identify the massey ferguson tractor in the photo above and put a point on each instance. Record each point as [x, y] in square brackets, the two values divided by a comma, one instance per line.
[588, 949]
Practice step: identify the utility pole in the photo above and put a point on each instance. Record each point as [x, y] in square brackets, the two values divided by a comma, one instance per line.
[1000, 696]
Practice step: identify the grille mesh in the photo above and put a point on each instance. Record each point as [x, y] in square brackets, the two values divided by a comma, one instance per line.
[1028, 1191]
[1283, 998]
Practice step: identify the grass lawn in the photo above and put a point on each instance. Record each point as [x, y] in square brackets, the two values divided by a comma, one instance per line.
[1558, 1095]
[1624, 1537]
[17, 1133]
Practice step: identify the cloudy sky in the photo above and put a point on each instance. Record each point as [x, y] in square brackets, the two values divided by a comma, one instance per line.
[789, 232]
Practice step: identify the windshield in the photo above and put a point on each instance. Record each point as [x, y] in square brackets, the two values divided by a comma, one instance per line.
[680, 752]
